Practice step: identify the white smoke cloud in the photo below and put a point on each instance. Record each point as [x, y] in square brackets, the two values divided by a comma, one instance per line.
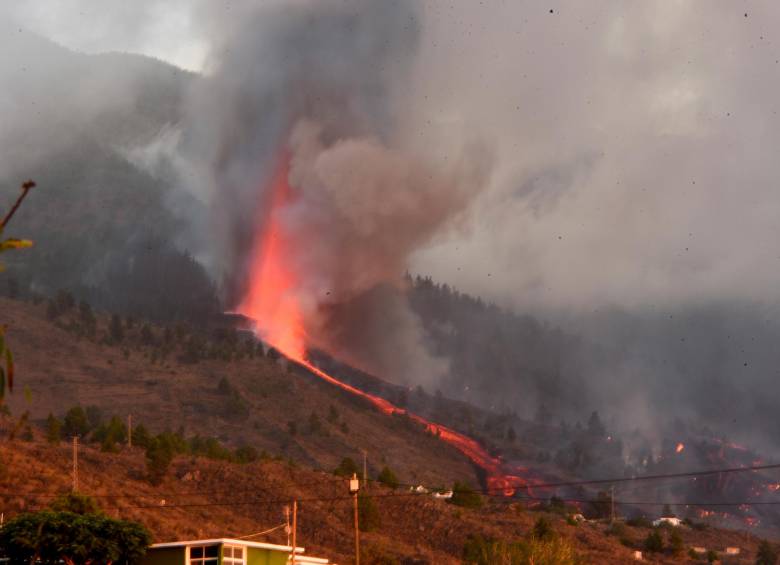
[361, 209]
[635, 143]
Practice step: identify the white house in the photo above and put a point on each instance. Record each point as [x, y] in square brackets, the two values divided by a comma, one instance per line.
[668, 520]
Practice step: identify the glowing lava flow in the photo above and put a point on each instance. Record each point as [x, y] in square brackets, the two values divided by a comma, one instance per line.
[272, 303]
[270, 299]
[497, 481]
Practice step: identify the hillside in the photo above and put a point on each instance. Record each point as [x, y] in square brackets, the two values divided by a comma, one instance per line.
[201, 498]
[263, 405]
[82, 126]
[61, 364]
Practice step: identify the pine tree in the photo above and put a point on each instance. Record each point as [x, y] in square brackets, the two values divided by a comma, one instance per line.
[676, 544]
[116, 331]
[654, 543]
[53, 429]
[766, 555]
[388, 478]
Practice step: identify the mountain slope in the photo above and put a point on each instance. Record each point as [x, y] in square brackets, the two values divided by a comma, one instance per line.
[201, 499]
[263, 403]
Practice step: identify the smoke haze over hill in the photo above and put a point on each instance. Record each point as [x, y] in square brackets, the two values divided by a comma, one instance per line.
[606, 168]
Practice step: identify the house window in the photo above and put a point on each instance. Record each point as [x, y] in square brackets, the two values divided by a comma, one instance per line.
[204, 555]
[233, 555]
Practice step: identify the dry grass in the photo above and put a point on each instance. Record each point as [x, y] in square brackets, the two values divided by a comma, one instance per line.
[203, 498]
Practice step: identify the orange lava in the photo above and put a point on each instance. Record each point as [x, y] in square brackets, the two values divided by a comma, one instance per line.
[271, 301]
[497, 481]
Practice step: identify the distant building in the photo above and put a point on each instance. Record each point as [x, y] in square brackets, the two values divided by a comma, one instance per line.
[668, 520]
[225, 551]
[419, 489]
[732, 551]
[446, 495]
[638, 556]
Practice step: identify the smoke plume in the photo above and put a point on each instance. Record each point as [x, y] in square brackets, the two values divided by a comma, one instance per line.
[322, 84]
[629, 190]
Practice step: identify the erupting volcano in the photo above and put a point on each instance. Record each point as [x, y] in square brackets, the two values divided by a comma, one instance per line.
[273, 303]
[270, 299]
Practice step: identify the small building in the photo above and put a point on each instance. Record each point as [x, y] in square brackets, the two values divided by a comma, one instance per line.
[638, 556]
[732, 551]
[444, 495]
[667, 521]
[225, 551]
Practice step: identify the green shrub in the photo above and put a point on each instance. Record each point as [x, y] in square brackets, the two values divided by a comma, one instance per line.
[141, 436]
[53, 429]
[75, 423]
[487, 551]
[617, 529]
[210, 448]
[65, 537]
[654, 543]
[767, 554]
[109, 434]
[388, 478]
[676, 544]
[346, 468]
[639, 522]
[368, 514]
[76, 503]
[159, 455]
[542, 529]
[246, 454]
[465, 496]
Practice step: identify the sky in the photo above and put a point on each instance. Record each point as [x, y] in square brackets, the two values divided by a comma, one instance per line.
[633, 142]
[165, 29]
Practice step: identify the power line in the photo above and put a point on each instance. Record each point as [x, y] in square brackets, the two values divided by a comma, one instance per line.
[341, 498]
[585, 482]
[485, 492]
[268, 531]
[42, 494]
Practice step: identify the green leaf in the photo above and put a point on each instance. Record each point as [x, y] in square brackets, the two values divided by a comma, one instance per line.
[15, 244]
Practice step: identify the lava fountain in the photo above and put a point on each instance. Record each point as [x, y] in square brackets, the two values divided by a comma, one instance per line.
[270, 300]
[272, 303]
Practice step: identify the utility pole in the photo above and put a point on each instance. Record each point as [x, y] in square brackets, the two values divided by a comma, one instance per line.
[612, 505]
[365, 469]
[75, 463]
[129, 430]
[354, 487]
[287, 522]
[294, 530]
